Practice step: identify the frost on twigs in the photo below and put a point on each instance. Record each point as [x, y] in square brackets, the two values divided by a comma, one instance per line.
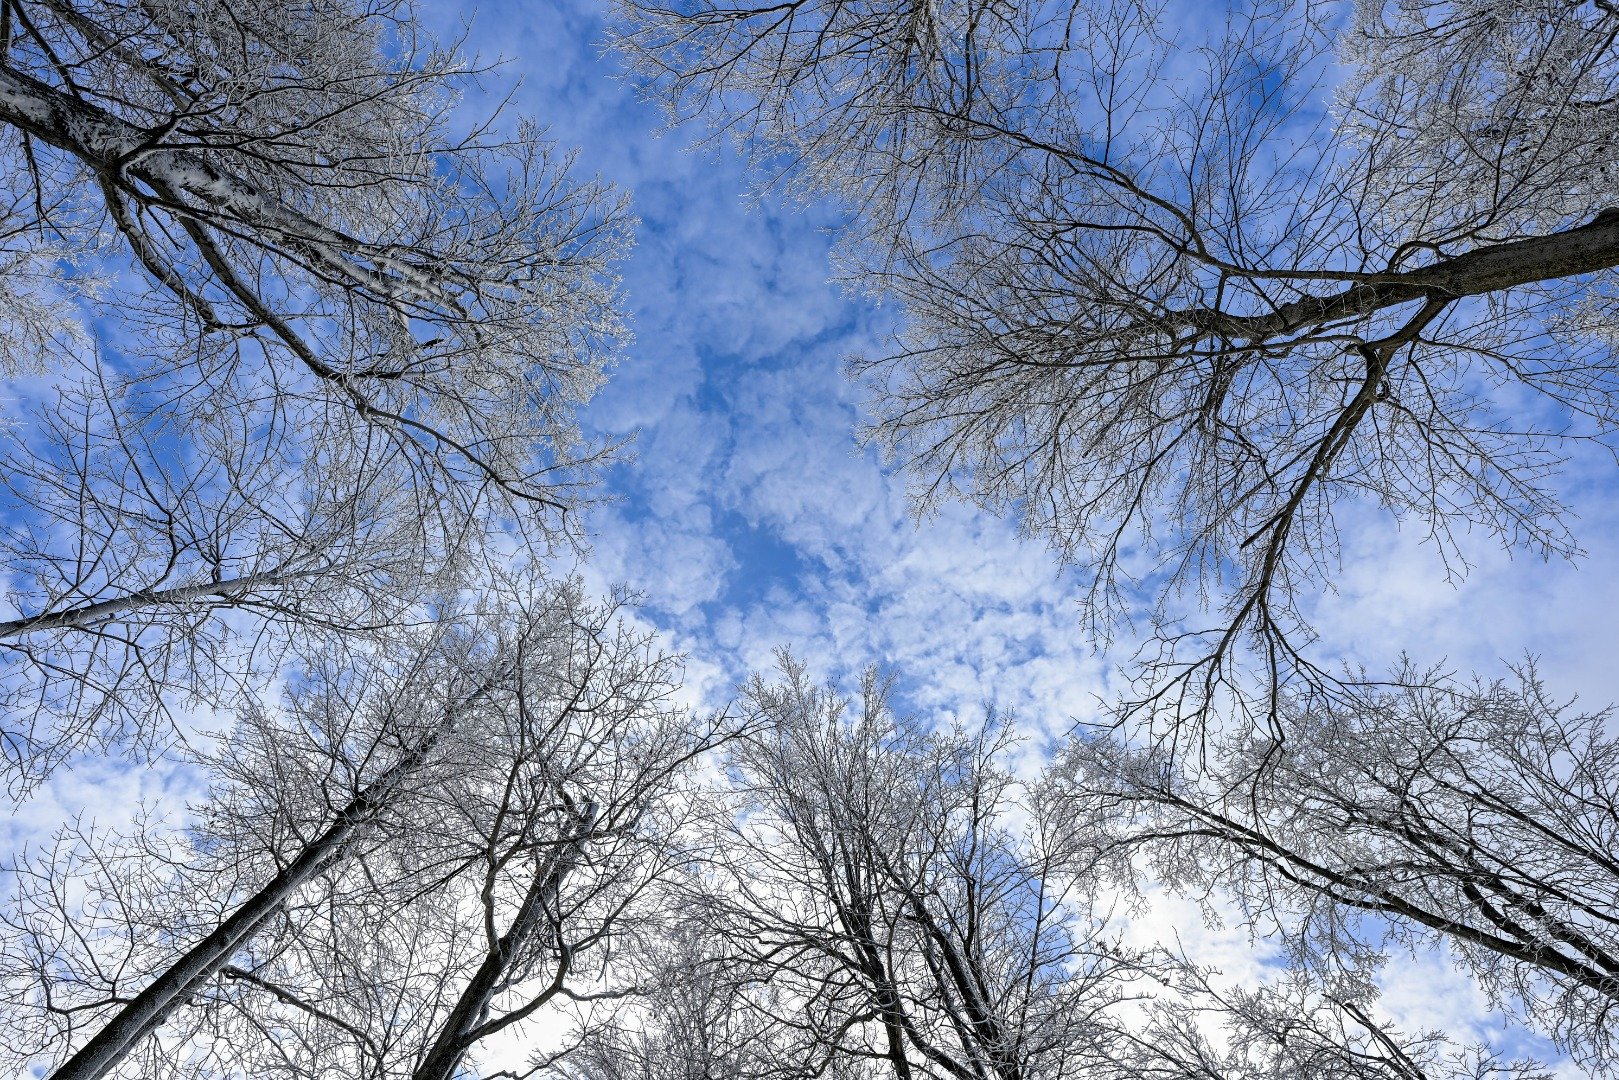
[1181, 293]
[340, 336]
[1481, 817]
[422, 845]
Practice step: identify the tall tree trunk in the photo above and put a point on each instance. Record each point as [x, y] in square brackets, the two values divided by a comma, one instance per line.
[140, 1017]
[469, 1020]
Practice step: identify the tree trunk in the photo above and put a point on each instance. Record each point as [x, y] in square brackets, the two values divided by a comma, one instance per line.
[140, 1017]
[467, 1022]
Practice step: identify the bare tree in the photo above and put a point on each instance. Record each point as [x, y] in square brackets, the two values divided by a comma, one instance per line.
[1195, 1027]
[546, 840]
[1169, 309]
[1293, 1028]
[1481, 818]
[1176, 314]
[331, 801]
[875, 880]
[700, 1016]
[108, 509]
[571, 844]
[344, 333]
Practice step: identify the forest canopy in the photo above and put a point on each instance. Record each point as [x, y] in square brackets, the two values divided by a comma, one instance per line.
[458, 742]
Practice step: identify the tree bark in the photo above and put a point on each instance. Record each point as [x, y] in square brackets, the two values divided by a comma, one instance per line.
[140, 1017]
[1584, 249]
[468, 1020]
[119, 151]
[87, 614]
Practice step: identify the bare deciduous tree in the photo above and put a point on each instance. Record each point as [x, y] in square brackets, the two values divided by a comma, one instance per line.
[341, 332]
[1177, 292]
[1481, 818]
[875, 879]
[1168, 307]
[545, 846]
[392, 780]
[700, 1016]
[1292, 1029]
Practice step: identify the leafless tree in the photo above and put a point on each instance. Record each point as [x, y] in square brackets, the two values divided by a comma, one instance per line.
[1195, 1027]
[1292, 1028]
[497, 777]
[875, 880]
[342, 333]
[1483, 818]
[1170, 309]
[553, 830]
[700, 1017]
[1176, 313]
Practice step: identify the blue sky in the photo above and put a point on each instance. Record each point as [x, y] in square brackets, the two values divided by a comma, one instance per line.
[748, 517]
